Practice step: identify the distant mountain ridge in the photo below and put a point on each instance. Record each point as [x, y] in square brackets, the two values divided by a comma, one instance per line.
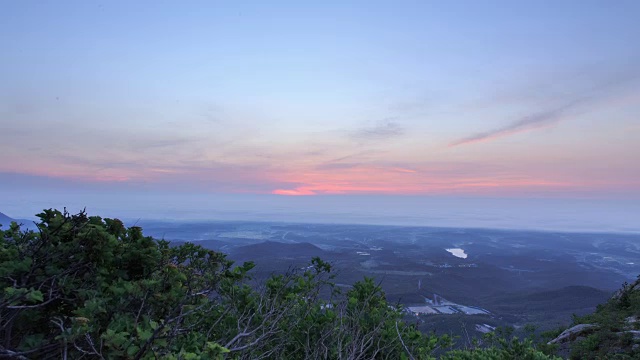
[279, 249]
[5, 221]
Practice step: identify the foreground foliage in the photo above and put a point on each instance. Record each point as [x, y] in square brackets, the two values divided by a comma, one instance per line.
[87, 287]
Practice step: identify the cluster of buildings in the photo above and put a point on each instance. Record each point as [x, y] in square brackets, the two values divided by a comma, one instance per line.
[440, 305]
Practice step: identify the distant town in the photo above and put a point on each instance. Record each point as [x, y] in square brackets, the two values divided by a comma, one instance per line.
[439, 305]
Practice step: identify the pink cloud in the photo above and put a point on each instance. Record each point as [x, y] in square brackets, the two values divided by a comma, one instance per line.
[395, 180]
[294, 192]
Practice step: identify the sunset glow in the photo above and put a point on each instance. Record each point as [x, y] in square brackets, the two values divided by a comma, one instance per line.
[331, 100]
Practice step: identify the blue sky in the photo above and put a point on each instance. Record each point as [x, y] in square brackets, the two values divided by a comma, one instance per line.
[494, 99]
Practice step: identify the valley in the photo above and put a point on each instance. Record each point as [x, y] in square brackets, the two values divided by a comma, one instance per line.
[482, 277]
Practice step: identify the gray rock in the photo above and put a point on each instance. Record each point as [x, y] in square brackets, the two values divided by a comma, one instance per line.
[631, 287]
[634, 333]
[572, 333]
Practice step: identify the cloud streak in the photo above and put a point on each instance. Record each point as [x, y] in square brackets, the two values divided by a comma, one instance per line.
[384, 129]
[528, 123]
[591, 88]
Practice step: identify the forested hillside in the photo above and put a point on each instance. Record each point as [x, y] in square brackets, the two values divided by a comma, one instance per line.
[86, 287]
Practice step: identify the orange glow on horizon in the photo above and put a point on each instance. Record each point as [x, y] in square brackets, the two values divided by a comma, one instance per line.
[293, 192]
[310, 180]
[399, 181]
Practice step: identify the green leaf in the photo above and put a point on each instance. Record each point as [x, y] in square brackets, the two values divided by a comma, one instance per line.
[35, 296]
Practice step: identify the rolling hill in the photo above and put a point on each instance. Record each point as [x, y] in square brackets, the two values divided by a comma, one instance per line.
[5, 221]
[278, 250]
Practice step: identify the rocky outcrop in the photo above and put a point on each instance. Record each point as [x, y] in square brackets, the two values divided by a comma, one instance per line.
[573, 333]
[615, 327]
[627, 289]
[634, 333]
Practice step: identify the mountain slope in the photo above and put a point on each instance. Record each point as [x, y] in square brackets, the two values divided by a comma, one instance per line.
[566, 298]
[5, 221]
[278, 249]
[614, 328]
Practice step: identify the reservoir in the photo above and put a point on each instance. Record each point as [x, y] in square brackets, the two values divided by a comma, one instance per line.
[457, 252]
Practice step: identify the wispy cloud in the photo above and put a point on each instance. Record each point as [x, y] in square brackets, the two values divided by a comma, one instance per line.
[337, 166]
[591, 89]
[384, 129]
[404, 170]
[527, 123]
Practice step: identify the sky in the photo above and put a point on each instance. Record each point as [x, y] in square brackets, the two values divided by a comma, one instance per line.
[347, 104]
